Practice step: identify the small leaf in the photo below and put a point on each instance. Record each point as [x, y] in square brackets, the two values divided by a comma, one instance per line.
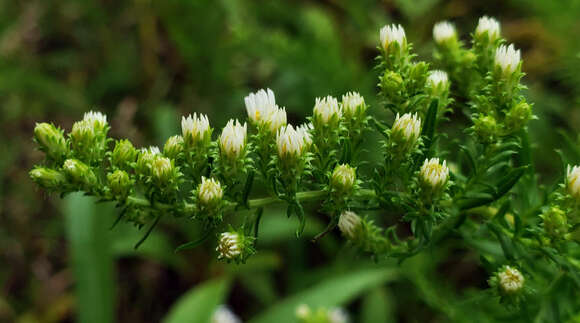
[428, 131]
[199, 304]
[194, 243]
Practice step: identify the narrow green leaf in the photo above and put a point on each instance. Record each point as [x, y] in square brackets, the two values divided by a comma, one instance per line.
[377, 306]
[91, 260]
[334, 291]
[199, 304]
[428, 131]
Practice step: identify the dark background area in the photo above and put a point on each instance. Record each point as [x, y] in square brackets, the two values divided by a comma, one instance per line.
[146, 63]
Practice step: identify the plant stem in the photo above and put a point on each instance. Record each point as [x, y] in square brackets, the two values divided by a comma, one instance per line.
[305, 196]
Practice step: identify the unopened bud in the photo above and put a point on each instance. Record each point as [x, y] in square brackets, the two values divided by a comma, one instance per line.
[123, 154]
[343, 178]
[434, 175]
[173, 147]
[48, 178]
[145, 160]
[79, 173]
[51, 141]
[353, 105]
[232, 141]
[486, 128]
[405, 131]
[162, 170]
[234, 246]
[209, 193]
[393, 39]
[350, 224]
[437, 83]
[507, 60]
[444, 33]
[120, 184]
[573, 182]
[327, 112]
[488, 28]
[518, 116]
[391, 82]
[555, 222]
[196, 131]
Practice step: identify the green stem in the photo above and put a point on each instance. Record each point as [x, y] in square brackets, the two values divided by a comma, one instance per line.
[306, 196]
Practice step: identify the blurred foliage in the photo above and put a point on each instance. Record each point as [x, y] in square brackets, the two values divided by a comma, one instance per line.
[147, 62]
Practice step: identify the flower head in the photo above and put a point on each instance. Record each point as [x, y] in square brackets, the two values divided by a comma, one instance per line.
[48, 178]
[262, 110]
[119, 183]
[406, 130]
[209, 191]
[173, 147]
[233, 139]
[123, 154]
[326, 111]
[350, 224]
[229, 245]
[162, 169]
[195, 129]
[96, 119]
[343, 178]
[145, 160]
[437, 80]
[51, 140]
[433, 174]
[507, 58]
[510, 280]
[292, 142]
[573, 181]
[353, 104]
[488, 26]
[444, 31]
[393, 34]
[79, 173]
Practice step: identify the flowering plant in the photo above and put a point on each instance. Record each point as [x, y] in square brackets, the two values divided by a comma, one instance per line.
[428, 186]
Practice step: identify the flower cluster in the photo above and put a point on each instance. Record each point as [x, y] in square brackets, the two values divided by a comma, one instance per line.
[318, 166]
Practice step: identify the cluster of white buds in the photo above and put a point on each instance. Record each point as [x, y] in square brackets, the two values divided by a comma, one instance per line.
[343, 178]
[195, 130]
[293, 142]
[350, 224]
[510, 280]
[444, 32]
[327, 111]
[223, 314]
[393, 35]
[232, 140]
[406, 130]
[263, 110]
[353, 105]
[507, 59]
[573, 182]
[437, 82]
[209, 192]
[433, 174]
[488, 27]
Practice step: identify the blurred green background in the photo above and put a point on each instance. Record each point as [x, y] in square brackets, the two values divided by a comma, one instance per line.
[145, 63]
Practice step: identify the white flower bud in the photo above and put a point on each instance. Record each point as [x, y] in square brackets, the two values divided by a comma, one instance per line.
[173, 147]
[343, 178]
[292, 143]
[573, 181]
[507, 59]
[209, 191]
[233, 139]
[262, 110]
[510, 280]
[393, 34]
[51, 141]
[195, 129]
[303, 311]
[162, 169]
[406, 130]
[79, 173]
[96, 120]
[229, 246]
[349, 224]
[437, 81]
[353, 104]
[326, 111]
[489, 26]
[145, 160]
[444, 31]
[434, 174]
[224, 315]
